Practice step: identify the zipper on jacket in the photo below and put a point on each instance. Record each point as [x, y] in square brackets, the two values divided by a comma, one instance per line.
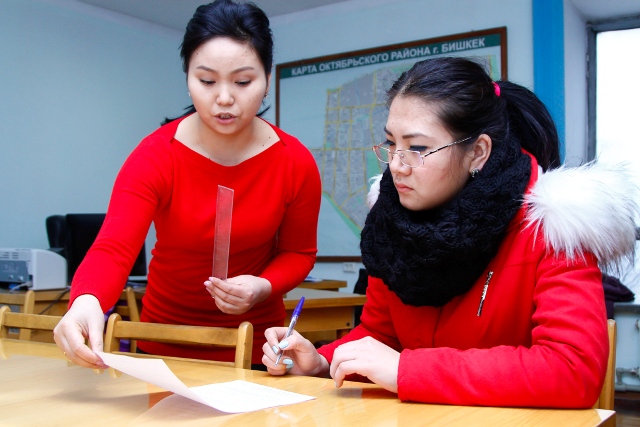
[484, 292]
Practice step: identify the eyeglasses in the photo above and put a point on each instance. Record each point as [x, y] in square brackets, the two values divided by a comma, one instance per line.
[410, 158]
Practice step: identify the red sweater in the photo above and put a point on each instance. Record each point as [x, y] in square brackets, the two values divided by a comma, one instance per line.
[540, 341]
[275, 215]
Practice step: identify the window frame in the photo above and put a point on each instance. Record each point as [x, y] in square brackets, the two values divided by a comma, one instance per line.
[593, 28]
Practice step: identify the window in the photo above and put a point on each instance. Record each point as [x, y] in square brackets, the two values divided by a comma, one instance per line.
[618, 96]
[614, 104]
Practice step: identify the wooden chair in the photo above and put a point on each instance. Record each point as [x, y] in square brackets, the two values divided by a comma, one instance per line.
[128, 309]
[29, 321]
[607, 394]
[26, 301]
[241, 338]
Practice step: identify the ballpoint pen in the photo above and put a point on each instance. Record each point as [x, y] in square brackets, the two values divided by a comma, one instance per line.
[292, 324]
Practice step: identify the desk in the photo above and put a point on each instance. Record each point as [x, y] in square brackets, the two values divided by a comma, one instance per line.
[41, 387]
[54, 302]
[323, 310]
[330, 285]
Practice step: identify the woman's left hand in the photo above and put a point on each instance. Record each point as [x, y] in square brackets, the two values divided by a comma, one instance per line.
[237, 295]
[367, 357]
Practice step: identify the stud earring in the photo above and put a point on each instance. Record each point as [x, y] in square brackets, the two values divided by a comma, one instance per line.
[266, 95]
[475, 172]
[189, 93]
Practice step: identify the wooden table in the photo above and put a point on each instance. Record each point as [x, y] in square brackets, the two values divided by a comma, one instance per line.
[54, 301]
[325, 284]
[323, 310]
[41, 388]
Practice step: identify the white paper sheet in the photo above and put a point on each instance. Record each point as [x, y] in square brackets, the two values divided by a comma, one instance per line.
[234, 396]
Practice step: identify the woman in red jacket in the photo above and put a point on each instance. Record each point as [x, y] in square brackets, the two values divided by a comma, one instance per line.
[171, 179]
[483, 256]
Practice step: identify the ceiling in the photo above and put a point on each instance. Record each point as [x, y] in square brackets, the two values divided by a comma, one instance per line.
[176, 13]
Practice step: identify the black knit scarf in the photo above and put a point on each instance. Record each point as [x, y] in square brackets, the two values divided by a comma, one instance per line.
[429, 257]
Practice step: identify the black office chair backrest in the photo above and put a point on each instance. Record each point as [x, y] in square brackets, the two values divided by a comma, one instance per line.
[81, 230]
[57, 233]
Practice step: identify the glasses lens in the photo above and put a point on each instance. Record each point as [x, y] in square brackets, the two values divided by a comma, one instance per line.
[411, 158]
[383, 154]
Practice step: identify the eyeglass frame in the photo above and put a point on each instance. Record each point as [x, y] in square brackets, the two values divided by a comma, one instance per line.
[422, 156]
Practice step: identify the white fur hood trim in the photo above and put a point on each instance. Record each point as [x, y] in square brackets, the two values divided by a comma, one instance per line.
[374, 190]
[591, 208]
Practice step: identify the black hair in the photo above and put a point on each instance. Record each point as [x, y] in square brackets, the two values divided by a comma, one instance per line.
[243, 22]
[468, 103]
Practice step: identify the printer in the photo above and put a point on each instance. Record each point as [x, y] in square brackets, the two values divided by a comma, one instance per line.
[36, 269]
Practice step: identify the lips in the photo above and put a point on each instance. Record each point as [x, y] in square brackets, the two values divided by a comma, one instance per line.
[402, 188]
[225, 118]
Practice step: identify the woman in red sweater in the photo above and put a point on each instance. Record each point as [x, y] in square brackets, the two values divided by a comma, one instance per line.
[171, 179]
[484, 280]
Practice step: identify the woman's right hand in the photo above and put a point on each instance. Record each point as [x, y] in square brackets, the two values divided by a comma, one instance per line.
[304, 358]
[84, 320]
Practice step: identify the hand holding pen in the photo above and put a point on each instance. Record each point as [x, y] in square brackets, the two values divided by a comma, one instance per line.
[292, 324]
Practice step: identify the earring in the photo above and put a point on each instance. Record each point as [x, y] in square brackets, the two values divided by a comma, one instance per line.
[189, 93]
[475, 172]
[266, 95]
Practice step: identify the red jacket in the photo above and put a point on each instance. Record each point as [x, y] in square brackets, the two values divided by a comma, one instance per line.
[539, 341]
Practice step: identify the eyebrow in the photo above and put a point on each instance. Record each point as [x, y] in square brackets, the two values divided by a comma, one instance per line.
[237, 70]
[407, 136]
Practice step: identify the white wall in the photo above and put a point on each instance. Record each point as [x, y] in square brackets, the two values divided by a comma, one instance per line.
[79, 88]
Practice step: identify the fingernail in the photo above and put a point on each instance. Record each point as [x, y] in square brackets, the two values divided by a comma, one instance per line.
[335, 383]
[283, 344]
[275, 349]
[288, 362]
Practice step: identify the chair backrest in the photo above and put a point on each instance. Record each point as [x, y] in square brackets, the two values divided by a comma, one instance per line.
[241, 338]
[57, 233]
[9, 319]
[26, 301]
[607, 394]
[127, 305]
[80, 231]
[129, 309]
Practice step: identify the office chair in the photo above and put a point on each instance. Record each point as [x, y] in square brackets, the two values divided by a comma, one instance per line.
[57, 233]
[241, 338]
[72, 235]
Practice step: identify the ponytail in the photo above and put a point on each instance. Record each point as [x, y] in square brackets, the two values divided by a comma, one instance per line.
[530, 121]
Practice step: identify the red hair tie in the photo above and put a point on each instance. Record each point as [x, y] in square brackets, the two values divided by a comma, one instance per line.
[496, 88]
